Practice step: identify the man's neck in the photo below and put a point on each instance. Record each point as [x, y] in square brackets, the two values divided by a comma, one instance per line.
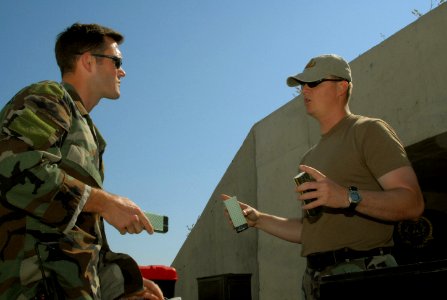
[86, 96]
[329, 121]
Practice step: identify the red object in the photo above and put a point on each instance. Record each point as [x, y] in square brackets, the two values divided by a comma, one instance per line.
[158, 272]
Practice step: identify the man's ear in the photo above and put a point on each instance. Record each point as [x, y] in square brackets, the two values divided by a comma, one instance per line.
[86, 61]
[343, 87]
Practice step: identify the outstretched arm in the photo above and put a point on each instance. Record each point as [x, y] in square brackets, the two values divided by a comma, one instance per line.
[118, 211]
[283, 228]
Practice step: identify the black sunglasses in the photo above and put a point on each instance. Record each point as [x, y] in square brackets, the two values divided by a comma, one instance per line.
[316, 83]
[117, 60]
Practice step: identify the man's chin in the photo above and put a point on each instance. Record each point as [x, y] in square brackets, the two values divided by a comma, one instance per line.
[114, 97]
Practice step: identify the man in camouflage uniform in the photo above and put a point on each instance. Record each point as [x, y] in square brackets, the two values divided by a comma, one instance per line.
[52, 205]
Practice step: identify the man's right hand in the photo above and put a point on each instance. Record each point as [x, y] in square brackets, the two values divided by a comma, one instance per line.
[284, 228]
[251, 214]
[120, 212]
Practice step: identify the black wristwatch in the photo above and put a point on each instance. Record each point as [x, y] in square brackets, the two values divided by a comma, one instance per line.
[354, 198]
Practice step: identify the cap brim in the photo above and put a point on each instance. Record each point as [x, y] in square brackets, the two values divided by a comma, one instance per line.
[292, 81]
[306, 76]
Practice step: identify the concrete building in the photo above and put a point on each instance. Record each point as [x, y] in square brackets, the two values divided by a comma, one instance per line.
[403, 81]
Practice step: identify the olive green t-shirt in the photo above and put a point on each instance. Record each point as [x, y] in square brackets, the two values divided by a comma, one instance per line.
[355, 152]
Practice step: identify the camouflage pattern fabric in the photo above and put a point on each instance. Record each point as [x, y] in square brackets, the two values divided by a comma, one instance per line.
[50, 158]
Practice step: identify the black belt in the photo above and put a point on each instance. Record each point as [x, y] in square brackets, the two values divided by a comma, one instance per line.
[319, 261]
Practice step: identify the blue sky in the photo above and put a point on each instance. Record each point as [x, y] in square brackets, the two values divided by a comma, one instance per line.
[200, 74]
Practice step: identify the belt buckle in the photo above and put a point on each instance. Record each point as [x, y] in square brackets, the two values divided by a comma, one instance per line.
[346, 257]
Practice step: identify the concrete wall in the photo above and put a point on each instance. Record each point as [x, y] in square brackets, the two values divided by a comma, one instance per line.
[402, 80]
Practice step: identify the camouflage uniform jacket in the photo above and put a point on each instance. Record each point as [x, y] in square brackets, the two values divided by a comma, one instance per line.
[50, 158]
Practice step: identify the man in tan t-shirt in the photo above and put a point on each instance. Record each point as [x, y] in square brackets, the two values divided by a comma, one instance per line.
[363, 182]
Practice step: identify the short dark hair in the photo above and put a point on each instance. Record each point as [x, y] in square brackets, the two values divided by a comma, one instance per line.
[80, 38]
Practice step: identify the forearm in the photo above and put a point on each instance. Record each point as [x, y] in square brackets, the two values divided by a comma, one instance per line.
[104, 203]
[283, 228]
[96, 201]
[118, 211]
[391, 205]
[401, 198]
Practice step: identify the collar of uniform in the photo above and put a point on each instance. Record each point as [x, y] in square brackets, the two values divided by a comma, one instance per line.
[76, 98]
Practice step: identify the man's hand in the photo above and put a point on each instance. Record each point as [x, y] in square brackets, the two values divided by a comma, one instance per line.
[326, 191]
[251, 214]
[120, 212]
[286, 229]
[151, 291]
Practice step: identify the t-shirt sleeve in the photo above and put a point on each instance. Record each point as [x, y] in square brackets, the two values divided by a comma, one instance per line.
[382, 148]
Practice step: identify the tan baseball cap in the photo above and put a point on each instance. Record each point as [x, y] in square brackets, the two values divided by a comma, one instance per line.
[321, 67]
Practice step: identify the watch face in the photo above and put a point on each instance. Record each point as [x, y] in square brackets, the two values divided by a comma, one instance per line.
[354, 196]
